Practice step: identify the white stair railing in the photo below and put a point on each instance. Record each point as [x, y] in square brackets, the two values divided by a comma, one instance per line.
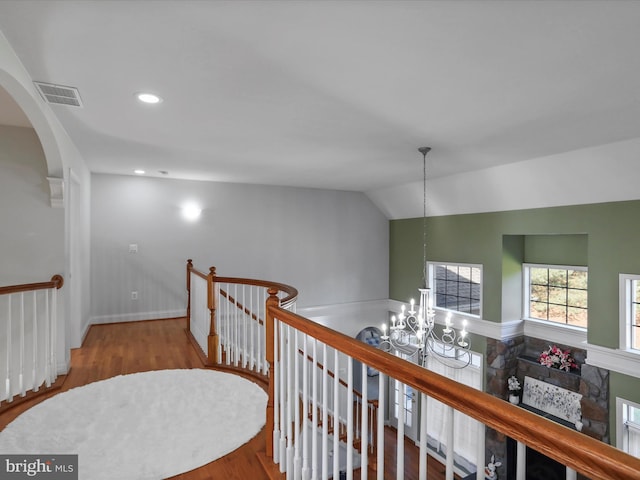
[226, 317]
[286, 331]
[28, 333]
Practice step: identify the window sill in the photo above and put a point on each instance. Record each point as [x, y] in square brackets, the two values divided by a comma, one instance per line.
[557, 332]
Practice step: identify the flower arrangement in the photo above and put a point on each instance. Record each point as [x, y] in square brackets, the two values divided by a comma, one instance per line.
[514, 384]
[554, 357]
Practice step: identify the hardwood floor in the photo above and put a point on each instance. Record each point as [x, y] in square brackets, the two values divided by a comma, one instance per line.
[119, 349]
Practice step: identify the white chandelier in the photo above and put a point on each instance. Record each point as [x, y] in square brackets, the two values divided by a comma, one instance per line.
[413, 332]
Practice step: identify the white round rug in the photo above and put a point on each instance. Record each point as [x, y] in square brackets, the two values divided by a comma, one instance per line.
[149, 425]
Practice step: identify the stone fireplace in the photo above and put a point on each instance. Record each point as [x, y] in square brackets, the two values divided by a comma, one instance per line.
[519, 357]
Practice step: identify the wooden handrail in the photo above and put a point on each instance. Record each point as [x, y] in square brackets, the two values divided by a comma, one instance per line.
[56, 282]
[292, 292]
[583, 454]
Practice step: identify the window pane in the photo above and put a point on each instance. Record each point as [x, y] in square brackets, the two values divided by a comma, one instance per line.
[634, 443]
[464, 274]
[452, 287]
[464, 306]
[577, 317]
[464, 290]
[635, 339]
[452, 272]
[557, 295]
[441, 272]
[539, 293]
[451, 302]
[475, 276]
[539, 310]
[558, 313]
[539, 276]
[577, 279]
[475, 292]
[557, 277]
[577, 298]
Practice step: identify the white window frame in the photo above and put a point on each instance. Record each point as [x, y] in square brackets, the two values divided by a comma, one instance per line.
[626, 314]
[431, 271]
[526, 294]
[623, 424]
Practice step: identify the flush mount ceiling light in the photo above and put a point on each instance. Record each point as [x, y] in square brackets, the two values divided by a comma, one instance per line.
[146, 97]
[138, 171]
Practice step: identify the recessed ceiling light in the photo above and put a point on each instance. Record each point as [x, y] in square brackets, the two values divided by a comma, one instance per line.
[138, 171]
[146, 97]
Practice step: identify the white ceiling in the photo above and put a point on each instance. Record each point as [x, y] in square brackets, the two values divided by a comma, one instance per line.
[333, 94]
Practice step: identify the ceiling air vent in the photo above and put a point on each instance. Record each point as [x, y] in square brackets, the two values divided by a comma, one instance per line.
[59, 94]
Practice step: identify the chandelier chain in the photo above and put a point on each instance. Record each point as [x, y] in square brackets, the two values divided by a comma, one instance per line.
[413, 331]
[424, 219]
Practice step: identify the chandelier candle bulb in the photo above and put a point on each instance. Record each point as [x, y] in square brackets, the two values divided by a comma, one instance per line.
[447, 323]
[384, 330]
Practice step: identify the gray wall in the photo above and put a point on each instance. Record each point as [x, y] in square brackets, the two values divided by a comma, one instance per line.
[331, 245]
[32, 233]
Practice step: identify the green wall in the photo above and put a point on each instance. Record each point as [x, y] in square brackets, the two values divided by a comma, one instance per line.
[605, 237]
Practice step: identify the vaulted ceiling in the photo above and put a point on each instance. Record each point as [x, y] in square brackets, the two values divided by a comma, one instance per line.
[332, 94]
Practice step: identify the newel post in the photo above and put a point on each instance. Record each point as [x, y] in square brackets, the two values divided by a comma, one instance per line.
[272, 301]
[211, 302]
[189, 268]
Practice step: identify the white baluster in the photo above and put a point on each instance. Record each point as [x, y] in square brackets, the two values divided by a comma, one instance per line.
[290, 401]
[364, 431]
[422, 462]
[297, 465]
[336, 416]
[480, 450]
[276, 391]
[34, 333]
[325, 414]
[236, 327]
[402, 392]
[54, 332]
[450, 444]
[571, 474]
[7, 385]
[306, 472]
[283, 399]
[47, 336]
[314, 413]
[21, 385]
[349, 418]
[521, 461]
[380, 426]
[263, 360]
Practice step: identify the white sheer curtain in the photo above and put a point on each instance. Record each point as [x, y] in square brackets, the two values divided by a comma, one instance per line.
[465, 431]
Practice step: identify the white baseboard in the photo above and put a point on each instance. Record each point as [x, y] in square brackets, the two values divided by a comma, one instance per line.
[136, 317]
